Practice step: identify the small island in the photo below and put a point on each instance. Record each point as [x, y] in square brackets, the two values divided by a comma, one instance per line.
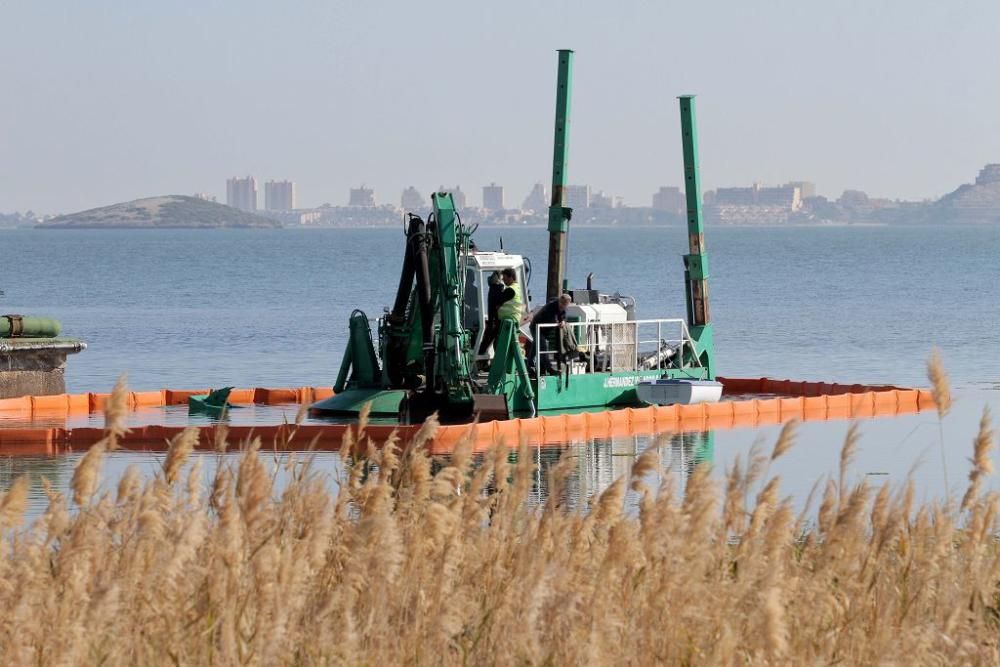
[166, 212]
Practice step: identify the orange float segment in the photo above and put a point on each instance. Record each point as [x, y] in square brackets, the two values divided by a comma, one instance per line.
[885, 402]
[21, 404]
[693, 417]
[839, 402]
[181, 396]
[78, 402]
[97, 401]
[863, 404]
[643, 418]
[790, 408]
[666, 415]
[907, 398]
[270, 396]
[147, 399]
[576, 427]
[57, 403]
[767, 406]
[721, 409]
[814, 403]
[241, 396]
[925, 400]
[506, 430]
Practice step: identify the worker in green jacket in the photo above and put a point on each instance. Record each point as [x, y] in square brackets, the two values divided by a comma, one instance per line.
[512, 301]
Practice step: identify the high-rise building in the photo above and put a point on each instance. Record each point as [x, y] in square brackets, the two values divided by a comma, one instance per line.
[600, 199]
[736, 196]
[853, 199]
[806, 189]
[577, 196]
[241, 193]
[279, 195]
[412, 200]
[493, 197]
[537, 200]
[362, 197]
[457, 196]
[788, 196]
[669, 199]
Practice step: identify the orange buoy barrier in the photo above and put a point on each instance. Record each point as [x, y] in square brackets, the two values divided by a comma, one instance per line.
[783, 400]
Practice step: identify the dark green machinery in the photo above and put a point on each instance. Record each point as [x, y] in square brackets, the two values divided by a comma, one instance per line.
[426, 351]
[425, 361]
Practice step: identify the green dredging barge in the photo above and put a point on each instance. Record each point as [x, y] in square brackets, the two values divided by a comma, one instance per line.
[426, 358]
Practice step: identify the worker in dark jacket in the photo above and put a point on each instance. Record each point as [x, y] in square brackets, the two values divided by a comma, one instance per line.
[547, 339]
[494, 299]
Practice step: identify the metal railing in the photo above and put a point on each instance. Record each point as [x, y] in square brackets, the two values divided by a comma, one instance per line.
[633, 345]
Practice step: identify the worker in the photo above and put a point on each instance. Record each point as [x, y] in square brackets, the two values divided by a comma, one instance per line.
[553, 312]
[494, 298]
[511, 301]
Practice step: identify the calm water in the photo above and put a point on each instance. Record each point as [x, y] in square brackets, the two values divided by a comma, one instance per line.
[270, 307]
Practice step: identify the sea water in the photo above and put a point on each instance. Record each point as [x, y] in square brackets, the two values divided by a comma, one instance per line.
[177, 308]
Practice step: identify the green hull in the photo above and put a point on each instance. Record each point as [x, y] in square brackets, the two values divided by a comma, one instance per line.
[385, 403]
[554, 394]
[214, 403]
[597, 390]
[196, 406]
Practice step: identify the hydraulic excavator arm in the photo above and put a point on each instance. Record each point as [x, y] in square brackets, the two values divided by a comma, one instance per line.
[447, 387]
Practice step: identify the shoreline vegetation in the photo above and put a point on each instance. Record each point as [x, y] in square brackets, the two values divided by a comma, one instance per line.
[167, 212]
[448, 562]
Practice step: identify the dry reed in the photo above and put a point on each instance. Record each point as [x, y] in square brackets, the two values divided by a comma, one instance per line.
[940, 387]
[410, 566]
[941, 393]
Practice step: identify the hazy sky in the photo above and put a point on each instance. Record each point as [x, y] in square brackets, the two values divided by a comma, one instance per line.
[107, 101]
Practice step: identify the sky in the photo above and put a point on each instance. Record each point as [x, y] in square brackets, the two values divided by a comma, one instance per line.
[105, 101]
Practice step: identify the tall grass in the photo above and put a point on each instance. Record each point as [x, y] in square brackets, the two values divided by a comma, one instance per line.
[408, 566]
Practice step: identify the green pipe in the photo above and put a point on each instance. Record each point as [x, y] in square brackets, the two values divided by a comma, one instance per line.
[17, 326]
[696, 261]
[559, 215]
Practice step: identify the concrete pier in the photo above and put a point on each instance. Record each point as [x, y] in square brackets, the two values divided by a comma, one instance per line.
[35, 366]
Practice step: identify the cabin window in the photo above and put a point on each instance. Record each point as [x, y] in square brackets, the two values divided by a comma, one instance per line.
[471, 306]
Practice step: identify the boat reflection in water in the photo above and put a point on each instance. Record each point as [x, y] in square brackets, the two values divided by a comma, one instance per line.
[599, 462]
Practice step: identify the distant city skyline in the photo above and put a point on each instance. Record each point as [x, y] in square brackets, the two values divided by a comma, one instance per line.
[111, 101]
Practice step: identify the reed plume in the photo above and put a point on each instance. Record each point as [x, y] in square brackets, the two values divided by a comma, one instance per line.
[940, 388]
[116, 410]
[982, 465]
[941, 393]
[785, 439]
[180, 448]
[13, 502]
